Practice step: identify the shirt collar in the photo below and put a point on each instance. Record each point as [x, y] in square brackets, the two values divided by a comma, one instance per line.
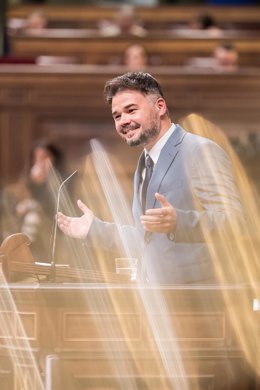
[156, 149]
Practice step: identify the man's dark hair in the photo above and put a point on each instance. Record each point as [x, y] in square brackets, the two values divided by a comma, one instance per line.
[136, 81]
[52, 149]
[206, 21]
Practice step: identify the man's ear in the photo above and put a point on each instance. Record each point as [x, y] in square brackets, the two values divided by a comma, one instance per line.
[161, 105]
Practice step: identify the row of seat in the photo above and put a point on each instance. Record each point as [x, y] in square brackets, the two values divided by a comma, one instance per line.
[172, 50]
[152, 17]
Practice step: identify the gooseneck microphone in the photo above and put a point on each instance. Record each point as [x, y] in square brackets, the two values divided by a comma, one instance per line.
[53, 244]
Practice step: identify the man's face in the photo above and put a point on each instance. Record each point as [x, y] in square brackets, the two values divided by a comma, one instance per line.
[137, 117]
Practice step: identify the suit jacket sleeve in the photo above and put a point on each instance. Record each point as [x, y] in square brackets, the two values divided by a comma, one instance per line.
[217, 208]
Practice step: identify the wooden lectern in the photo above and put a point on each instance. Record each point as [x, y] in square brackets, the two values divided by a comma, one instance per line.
[18, 263]
[106, 336]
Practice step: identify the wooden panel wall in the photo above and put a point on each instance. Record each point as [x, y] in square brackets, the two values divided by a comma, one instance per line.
[66, 105]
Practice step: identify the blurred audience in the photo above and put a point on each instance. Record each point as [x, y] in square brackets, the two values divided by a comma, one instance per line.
[206, 23]
[136, 58]
[202, 25]
[35, 23]
[125, 23]
[224, 59]
[29, 204]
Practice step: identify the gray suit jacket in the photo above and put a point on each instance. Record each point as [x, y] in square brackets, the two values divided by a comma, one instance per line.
[195, 176]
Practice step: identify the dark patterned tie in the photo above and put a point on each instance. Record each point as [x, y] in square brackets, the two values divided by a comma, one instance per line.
[148, 174]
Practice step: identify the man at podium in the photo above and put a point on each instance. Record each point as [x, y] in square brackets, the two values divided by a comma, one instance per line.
[189, 201]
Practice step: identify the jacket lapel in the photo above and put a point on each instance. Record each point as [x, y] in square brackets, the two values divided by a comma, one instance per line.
[166, 159]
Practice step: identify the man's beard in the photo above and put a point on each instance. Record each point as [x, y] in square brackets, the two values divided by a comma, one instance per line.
[146, 136]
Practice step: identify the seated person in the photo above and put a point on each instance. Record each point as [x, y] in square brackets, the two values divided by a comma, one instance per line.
[29, 204]
[206, 23]
[35, 23]
[202, 25]
[136, 58]
[224, 59]
[125, 23]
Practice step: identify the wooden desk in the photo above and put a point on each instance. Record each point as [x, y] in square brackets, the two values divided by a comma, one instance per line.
[167, 48]
[100, 336]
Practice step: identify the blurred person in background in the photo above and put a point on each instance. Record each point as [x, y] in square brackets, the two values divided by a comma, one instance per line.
[136, 57]
[224, 58]
[206, 22]
[201, 25]
[35, 23]
[125, 23]
[29, 203]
